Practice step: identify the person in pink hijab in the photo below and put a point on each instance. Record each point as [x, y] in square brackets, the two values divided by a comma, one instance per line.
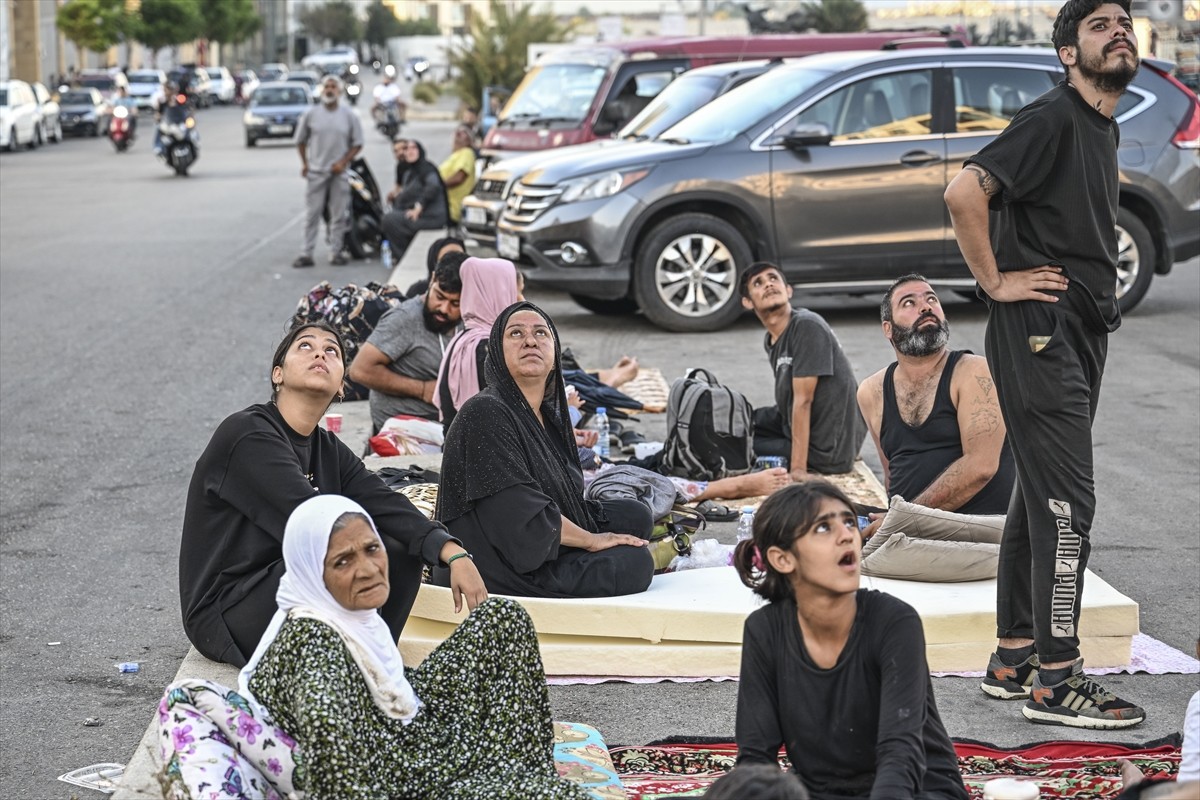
[489, 285]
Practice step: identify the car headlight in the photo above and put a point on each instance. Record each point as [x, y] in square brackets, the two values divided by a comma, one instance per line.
[254, 119]
[606, 184]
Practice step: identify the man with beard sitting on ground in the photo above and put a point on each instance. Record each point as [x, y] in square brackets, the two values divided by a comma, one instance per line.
[399, 362]
[933, 412]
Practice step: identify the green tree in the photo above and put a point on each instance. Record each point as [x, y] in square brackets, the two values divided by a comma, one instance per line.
[498, 55]
[381, 24]
[94, 25]
[417, 27]
[837, 16]
[229, 21]
[335, 21]
[166, 23]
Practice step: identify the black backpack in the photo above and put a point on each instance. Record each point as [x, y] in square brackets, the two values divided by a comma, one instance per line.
[710, 429]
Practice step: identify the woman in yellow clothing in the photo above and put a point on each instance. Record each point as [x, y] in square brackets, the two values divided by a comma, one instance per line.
[458, 172]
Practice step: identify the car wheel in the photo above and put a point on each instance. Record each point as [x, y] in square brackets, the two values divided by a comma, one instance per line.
[12, 140]
[58, 132]
[1136, 256]
[37, 139]
[93, 130]
[620, 307]
[685, 277]
[250, 141]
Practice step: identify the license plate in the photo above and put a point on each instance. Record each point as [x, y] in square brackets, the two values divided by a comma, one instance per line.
[181, 152]
[508, 245]
[279, 129]
[473, 215]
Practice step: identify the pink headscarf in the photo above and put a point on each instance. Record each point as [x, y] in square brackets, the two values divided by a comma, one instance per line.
[489, 285]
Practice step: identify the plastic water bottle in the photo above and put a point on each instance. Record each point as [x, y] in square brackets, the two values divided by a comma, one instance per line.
[746, 524]
[385, 254]
[601, 426]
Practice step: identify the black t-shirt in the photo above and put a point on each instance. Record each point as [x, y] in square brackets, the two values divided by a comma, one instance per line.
[250, 478]
[1057, 165]
[808, 348]
[866, 728]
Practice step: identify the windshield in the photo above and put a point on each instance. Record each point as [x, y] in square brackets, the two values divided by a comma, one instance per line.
[555, 91]
[214, 72]
[3, 97]
[280, 96]
[145, 77]
[741, 109]
[75, 99]
[97, 83]
[681, 97]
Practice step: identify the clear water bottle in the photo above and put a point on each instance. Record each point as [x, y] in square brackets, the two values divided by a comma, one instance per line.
[601, 426]
[746, 524]
[385, 254]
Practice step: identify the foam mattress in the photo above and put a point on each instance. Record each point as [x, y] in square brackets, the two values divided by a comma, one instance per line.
[690, 624]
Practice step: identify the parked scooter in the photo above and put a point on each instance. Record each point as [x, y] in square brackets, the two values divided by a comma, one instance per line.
[121, 128]
[364, 228]
[179, 143]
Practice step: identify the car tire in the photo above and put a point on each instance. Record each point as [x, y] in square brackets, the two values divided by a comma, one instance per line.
[58, 132]
[622, 306]
[37, 139]
[707, 298]
[251, 141]
[12, 140]
[93, 130]
[1136, 257]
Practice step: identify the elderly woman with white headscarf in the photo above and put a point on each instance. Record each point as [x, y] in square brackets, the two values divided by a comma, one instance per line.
[349, 721]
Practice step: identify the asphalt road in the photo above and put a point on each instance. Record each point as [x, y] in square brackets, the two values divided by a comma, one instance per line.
[138, 309]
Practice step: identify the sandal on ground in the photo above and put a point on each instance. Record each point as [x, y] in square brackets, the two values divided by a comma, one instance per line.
[715, 512]
[629, 439]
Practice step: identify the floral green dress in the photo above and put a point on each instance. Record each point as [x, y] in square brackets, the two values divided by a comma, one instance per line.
[484, 731]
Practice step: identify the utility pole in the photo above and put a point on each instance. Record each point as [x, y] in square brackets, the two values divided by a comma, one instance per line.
[703, 14]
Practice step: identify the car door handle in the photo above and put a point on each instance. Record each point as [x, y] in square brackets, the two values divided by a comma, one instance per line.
[917, 158]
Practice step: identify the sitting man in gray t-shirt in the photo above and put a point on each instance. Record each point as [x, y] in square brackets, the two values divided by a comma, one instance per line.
[399, 362]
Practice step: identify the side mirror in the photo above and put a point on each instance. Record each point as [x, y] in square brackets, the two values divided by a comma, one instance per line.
[808, 135]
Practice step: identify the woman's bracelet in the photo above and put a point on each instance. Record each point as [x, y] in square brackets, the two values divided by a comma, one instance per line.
[457, 556]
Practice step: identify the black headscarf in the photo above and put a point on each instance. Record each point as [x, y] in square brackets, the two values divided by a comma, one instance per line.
[496, 440]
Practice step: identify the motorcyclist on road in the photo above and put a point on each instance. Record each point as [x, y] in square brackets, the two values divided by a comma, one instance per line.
[388, 99]
[123, 100]
[162, 99]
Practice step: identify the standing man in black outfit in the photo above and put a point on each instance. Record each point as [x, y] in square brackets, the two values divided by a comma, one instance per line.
[1048, 274]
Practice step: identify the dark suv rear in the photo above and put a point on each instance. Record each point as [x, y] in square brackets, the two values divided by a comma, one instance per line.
[834, 167]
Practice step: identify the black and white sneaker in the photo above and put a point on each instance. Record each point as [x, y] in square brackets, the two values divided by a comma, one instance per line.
[1009, 683]
[1079, 702]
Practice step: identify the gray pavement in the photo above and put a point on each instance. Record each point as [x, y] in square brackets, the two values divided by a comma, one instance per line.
[138, 309]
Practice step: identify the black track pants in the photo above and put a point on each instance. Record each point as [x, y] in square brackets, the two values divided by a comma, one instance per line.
[1049, 400]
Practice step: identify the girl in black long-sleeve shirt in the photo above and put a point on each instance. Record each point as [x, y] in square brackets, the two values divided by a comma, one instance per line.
[835, 674]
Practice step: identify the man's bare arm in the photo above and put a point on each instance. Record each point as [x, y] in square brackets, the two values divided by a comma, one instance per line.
[981, 431]
[967, 198]
[870, 403]
[370, 368]
[803, 391]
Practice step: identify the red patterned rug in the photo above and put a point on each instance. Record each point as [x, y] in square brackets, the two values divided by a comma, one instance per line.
[1066, 770]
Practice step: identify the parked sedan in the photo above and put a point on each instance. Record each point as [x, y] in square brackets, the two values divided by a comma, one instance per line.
[144, 84]
[274, 110]
[834, 167]
[83, 112]
[49, 114]
[18, 116]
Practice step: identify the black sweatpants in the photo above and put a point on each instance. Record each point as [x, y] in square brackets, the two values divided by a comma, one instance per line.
[1048, 399]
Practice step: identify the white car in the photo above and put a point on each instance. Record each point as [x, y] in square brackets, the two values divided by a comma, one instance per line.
[18, 116]
[144, 84]
[49, 114]
[330, 55]
[222, 88]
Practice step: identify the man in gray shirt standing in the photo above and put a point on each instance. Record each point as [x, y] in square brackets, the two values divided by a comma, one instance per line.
[328, 137]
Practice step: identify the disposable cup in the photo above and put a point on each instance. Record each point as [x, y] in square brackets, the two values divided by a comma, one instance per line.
[333, 423]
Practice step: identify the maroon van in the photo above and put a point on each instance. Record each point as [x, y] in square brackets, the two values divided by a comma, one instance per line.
[578, 94]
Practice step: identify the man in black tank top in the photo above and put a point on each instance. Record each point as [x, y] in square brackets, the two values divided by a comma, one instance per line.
[933, 413]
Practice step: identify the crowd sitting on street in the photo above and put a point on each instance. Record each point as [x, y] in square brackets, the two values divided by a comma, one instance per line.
[299, 565]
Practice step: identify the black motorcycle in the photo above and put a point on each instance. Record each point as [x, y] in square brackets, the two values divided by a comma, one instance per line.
[179, 143]
[353, 84]
[364, 230]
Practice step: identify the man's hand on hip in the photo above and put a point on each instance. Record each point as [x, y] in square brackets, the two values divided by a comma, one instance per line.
[1028, 284]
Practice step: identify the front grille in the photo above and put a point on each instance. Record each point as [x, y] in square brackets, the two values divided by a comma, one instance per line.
[526, 203]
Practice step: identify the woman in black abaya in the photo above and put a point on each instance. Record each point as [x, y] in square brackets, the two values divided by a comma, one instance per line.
[512, 489]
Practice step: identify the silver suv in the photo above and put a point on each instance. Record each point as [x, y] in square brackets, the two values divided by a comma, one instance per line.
[832, 166]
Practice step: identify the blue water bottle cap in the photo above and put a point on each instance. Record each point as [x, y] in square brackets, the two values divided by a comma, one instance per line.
[601, 410]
